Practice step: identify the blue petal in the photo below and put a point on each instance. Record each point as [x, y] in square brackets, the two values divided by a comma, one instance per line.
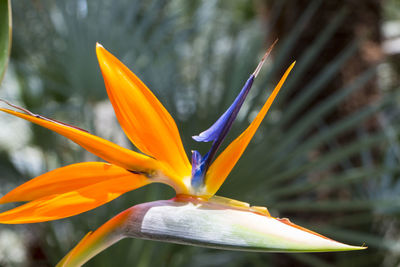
[197, 168]
[221, 127]
[196, 161]
[218, 131]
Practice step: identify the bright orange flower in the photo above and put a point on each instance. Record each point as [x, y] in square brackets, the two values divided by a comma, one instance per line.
[81, 187]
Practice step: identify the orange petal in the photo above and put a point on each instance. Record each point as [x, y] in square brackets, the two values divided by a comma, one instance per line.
[102, 148]
[144, 119]
[66, 179]
[97, 241]
[223, 165]
[71, 203]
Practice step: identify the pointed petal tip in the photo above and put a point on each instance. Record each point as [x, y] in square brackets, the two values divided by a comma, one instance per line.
[362, 247]
[100, 50]
[4, 199]
[200, 138]
[99, 46]
[345, 247]
[259, 66]
[133, 103]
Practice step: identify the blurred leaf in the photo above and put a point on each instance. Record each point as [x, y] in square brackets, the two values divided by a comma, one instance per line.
[5, 35]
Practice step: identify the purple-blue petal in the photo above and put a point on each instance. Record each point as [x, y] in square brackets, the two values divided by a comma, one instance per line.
[216, 133]
[197, 169]
[224, 123]
[196, 161]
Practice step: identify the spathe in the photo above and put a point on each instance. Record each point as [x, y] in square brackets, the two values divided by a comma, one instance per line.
[225, 224]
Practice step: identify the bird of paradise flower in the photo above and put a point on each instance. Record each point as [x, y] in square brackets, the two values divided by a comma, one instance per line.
[196, 216]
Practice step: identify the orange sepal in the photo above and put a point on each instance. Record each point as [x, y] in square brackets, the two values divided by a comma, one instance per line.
[74, 202]
[144, 119]
[223, 165]
[94, 242]
[102, 148]
[66, 179]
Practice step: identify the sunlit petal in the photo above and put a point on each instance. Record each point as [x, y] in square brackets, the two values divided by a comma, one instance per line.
[143, 118]
[102, 148]
[66, 179]
[74, 202]
[224, 163]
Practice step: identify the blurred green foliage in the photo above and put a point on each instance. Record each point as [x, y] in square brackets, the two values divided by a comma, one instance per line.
[195, 56]
[5, 35]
